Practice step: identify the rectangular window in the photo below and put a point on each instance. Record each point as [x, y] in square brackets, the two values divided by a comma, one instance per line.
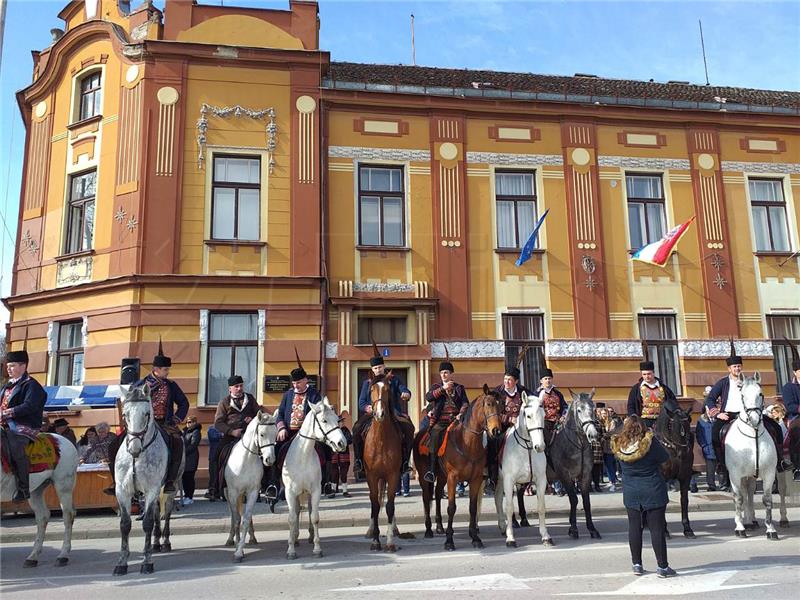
[519, 331]
[646, 213]
[515, 194]
[660, 333]
[384, 330]
[91, 95]
[781, 328]
[381, 206]
[232, 350]
[236, 195]
[69, 359]
[80, 212]
[769, 215]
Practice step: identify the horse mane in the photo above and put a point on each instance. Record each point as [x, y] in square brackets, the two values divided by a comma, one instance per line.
[470, 407]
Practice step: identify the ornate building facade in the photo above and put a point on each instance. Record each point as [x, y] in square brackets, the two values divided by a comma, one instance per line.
[210, 176]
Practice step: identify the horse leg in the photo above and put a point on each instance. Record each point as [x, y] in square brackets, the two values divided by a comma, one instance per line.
[507, 492]
[233, 508]
[375, 507]
[313, 512]
[569, 485]
[749, 517]
[125, 532]
[738, 501]
[767, 500]
[427, 495]
[166, 546]
[474, 500]
[438, 498]
[64, 490]
[687, 528]
[157, 524]
[499, 507]
[523, 516]
[310, 525]
[293, 502]
[587, 506]
[252, 496]
[782, 484]
[541, 486]
[42, 516]
[391, 492]
[451, 511]
[150, 517]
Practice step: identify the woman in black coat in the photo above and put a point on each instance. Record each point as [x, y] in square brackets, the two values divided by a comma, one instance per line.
[645, 492]
[192, 434]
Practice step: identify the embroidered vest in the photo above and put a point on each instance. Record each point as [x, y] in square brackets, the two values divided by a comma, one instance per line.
[298, 411]
[652, 399]
[159, 395]
[552, 406]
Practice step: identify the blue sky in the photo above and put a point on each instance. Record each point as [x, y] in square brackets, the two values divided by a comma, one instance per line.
[748, 44]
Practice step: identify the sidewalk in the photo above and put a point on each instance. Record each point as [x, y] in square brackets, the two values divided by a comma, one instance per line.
[213, 517]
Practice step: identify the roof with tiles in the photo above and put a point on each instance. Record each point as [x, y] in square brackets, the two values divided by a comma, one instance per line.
[579, 88]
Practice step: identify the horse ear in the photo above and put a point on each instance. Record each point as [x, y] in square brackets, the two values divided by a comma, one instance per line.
[592, 393]
[574, 395]
[757, 377]
[485, 389]
[146, 390]
[524, 398]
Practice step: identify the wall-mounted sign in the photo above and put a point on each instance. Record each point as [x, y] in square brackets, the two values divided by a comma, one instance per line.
[281, 383]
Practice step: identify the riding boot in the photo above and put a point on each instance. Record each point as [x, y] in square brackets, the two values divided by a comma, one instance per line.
[433, 453]
[19, 460]
[775, 432]
[175, 458]
[358, 454]
[113, 448]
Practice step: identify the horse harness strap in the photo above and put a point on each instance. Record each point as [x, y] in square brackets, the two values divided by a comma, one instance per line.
[756, 435]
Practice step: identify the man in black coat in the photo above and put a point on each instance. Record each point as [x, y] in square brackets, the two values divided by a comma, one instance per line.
[446, 401]
[649, 395]
[21, 413]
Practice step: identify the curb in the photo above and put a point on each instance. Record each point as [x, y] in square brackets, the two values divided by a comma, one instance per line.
[279, 524]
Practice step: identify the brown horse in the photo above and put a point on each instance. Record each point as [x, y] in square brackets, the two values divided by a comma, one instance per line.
[463, 459]
[383, 458]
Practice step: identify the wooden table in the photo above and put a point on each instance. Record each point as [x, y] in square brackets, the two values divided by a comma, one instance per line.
[88, 494]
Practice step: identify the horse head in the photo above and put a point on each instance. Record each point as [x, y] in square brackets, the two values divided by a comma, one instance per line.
[266, 434]
[678, 427]
[582, 410]
[531, 417]
[137, 415]
[378, 386]
[489, 403]
[326, 426]
[752, 398]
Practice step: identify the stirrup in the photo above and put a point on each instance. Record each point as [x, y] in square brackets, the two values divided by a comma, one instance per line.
[271, 493]
[430, 477]
[110, 490]
[358, 466]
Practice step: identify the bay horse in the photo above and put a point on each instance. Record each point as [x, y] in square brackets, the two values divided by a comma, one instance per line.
[383, 459]
[523, 461]
[674, 430]
[141, 467]
[243, 472]
[462, 458]
[750, 455]
[62, 476]
[570, 457]
[302, 474]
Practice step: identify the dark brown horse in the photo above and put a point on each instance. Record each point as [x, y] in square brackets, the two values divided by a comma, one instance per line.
[383, 458]
[673, 428]
[463, 459]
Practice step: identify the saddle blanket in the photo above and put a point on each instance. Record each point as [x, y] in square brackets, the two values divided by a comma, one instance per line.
[42, 455]
[425, 440]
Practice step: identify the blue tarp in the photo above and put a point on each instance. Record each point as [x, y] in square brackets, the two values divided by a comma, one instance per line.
[83, 396]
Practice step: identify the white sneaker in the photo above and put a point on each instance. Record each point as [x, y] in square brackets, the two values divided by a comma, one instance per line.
[187, 501]
[612, 488]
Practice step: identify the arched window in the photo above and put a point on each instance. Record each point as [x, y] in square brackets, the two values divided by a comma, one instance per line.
[91, 95]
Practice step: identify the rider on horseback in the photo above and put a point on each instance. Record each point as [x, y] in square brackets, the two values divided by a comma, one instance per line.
[401, 395]
[23, 402]
[555, 407]
[729, 391]
[446, 401]
[649, 395]
[165, 394]
[791, 399]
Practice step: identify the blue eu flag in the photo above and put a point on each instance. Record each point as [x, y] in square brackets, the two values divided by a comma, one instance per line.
[527, 249]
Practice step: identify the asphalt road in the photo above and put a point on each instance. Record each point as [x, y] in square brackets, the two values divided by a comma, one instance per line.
[200, 566]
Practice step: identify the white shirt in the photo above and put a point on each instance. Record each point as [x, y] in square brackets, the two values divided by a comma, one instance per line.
[734, 401]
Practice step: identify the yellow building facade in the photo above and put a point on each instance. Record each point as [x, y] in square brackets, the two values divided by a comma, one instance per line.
[208, 176]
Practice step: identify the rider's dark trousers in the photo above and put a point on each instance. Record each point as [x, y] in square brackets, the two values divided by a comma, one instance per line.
[19, 460]
[434, 442]
[656, 523]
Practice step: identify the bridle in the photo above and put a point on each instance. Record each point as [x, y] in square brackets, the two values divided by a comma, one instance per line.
[756, 433]
[669, 442]
[139, 435]
[486, 418]
[325, 434]
[258, 447]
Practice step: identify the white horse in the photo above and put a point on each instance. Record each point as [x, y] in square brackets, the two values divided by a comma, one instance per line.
[141, 467]
[302, 475]
[749, 456]
[523, 461]
[243, 472]
[63, 478]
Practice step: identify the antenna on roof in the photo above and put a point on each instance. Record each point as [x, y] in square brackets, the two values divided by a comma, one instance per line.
[413, 47]
[703, 45]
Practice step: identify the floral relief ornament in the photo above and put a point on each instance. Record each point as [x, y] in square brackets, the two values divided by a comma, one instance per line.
[120, 215]
[236, 111]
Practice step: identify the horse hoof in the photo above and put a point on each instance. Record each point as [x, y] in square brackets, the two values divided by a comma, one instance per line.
[375, 546]
[573, 533]
[689, 534]
[784, 523]
[440, 529]
[548, 542]
[238, 559]
[317, 554]
[30, 563]
[524, 523]
[146, 569]
[121, 570]
[166, 548]
[741, 533]
[595, 535]
[62, 562]
[511, 544]
[428, 533]
[291, 556]
[391, 548]
[253, 542]
[156, 547]
[477, 544]
[229, 543]
[772, 535]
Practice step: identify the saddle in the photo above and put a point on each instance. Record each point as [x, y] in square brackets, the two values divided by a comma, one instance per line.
[43, 455]
[318, 447]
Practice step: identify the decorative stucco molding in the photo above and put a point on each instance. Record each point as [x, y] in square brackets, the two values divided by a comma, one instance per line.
[74, 271]
[631, 162]
[384, 287]
[761, 167]
[593, 349]
[480, 349]
[262, 326]
[203, 326]
[721, 348]
[331, 350]
[502, 158]
[361, 153]
[236, 111]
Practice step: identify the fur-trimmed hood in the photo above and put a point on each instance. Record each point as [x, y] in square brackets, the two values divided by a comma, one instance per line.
[635, 451]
